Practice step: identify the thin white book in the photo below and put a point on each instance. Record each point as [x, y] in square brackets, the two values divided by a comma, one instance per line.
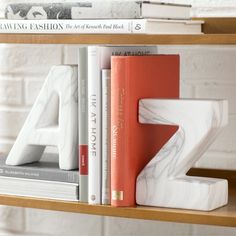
[162, 10]
[98, 59]
[102, 26]
[106, 149]
[94, 126]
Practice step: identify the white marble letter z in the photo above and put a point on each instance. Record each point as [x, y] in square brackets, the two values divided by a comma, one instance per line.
[52, 121]
[163, 182]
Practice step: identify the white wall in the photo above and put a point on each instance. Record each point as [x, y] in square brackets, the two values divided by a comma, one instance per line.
[206, 72]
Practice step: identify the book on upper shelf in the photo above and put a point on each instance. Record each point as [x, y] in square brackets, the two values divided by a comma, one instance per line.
[102, 26]
[97, 9]
[133, 144]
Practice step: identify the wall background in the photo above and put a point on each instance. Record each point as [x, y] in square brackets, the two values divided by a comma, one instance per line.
[206, 72]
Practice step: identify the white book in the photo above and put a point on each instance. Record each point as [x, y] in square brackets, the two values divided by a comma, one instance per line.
[94, 126]
[106, 156]
[98, 59]
[163, 10]
[107, 26]
[96, 10]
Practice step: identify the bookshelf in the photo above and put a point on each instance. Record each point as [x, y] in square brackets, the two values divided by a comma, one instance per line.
[218, 31]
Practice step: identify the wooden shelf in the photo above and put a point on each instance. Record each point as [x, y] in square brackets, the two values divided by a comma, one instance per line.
[123, 39]
[224, 216]
[217, 31]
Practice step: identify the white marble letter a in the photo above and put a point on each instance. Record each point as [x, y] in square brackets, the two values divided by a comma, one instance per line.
[163, 182]
[52, 121]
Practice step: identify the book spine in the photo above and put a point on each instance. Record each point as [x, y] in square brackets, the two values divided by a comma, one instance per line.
[119, 142]
[94, 125]
[39, 174]
[76, 10]
[106, 172]
[83, 122]
[112, 26]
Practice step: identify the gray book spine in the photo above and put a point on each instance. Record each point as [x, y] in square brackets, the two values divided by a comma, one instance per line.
[83, 122]
[106, 145]
[39, 174]
[75, 10]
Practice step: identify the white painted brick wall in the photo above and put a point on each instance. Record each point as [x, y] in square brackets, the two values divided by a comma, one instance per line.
[11, 120]
[10, 91]
[21, 60]
[60, 224]
[12, 219]
[206, 72]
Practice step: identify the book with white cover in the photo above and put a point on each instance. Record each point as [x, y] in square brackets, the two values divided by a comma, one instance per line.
[106, 155]
[98, 59]
[94, 126]
[83, 122]
[112, 26]
[39, 188]
[96, 10]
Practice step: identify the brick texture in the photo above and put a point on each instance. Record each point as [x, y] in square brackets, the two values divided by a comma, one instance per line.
[11, 121]
[12, 218]
[10, 91]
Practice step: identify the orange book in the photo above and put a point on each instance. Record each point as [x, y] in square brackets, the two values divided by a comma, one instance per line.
[133, 144]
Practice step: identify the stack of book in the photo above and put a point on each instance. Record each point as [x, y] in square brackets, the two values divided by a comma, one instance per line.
[100, 17]
[114, 147]
[41, 179]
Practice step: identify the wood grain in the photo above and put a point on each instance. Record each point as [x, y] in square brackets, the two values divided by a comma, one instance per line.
[123, 39]
[219, 25]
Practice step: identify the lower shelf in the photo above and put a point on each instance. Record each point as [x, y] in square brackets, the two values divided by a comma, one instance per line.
[224, 216]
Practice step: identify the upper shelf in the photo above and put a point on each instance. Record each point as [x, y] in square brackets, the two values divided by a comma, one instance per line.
[216, 31]
[123, 39]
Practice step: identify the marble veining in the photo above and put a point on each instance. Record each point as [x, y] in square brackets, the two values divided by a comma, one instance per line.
[52, 121]
[163, 181]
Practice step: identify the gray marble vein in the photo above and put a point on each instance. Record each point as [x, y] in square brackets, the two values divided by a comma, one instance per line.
[52, 121]
[163, 181]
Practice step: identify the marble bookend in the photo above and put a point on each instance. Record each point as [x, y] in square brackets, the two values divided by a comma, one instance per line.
[52, 121]
[163, 182]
